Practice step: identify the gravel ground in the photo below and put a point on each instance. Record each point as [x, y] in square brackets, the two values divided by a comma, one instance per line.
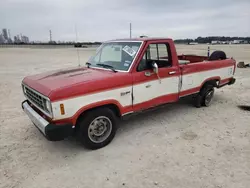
[176, 146]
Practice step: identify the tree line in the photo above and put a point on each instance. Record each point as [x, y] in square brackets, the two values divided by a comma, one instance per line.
[57, 43]
[205, 40]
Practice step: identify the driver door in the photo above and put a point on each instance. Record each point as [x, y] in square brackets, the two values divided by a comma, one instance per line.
[151, 89]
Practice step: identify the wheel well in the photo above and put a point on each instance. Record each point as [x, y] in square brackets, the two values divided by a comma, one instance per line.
[112, 107]
[211, 82]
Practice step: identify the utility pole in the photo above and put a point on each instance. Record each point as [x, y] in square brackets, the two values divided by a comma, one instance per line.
[50, 36]
[78, 55]
[130, 30]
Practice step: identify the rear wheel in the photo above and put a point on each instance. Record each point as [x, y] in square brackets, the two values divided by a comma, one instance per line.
[97, 128]
[205, 96]
[208, 97]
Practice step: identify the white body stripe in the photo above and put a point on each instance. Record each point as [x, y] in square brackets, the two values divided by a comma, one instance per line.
[72, 105]
[150, 90]
[142, 92]
[193, 80]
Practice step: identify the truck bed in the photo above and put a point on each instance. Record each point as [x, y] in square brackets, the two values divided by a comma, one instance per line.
[187, 59]
[196, 73]
[192, 58]
[196, 70]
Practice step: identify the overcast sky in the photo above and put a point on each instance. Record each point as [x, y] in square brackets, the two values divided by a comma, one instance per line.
[99, 20]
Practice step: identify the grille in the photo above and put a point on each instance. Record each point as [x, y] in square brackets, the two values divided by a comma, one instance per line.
[36, 98]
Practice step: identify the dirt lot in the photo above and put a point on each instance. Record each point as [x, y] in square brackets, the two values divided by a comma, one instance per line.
[176, 146]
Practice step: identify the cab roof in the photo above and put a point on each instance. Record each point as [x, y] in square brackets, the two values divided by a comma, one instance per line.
[139, 39]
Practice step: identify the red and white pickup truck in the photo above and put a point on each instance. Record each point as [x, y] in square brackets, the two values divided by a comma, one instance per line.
[123, 77]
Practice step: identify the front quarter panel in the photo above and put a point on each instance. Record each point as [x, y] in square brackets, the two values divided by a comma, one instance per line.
[76, 105]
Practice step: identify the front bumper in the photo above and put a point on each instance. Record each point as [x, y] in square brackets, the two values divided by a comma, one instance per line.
[50, 131]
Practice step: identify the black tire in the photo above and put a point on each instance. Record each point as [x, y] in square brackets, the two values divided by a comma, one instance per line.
[205, 96]
[197, 101]
[86, 123]
[217, 55]
[207, 93]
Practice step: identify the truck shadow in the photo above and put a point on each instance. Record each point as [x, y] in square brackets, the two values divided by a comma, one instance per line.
[244, 107]
[159, 113]
[68, 145]
[166, 115]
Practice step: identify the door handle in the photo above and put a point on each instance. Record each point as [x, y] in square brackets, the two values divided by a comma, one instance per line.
[172, 72]
[148, 86]
[147, 74]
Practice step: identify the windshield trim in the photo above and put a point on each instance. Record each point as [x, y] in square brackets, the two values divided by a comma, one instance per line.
[131, 65]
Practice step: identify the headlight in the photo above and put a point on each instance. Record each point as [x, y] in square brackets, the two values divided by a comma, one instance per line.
[48, 106]
[24, 90]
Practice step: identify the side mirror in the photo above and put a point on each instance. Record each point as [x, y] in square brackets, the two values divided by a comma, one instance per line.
[156, 70]
[155, 67]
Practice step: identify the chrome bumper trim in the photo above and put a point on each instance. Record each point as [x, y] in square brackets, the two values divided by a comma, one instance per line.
[39, 121]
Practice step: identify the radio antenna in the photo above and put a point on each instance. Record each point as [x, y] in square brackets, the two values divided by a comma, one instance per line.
[77, 50]
[130, 30]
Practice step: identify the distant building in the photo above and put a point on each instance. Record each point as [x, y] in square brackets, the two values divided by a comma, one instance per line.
[220, 42]
[5, 35]
[9, 37]
[24, 39]
[2, 40]
[17, 39]
[215, 42]
[9, 40]
[193, 43]
[237, 41]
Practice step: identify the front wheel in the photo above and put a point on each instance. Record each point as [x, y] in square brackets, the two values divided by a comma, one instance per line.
[97, 128]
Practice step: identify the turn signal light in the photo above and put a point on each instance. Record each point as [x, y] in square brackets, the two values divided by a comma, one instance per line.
[62, 109]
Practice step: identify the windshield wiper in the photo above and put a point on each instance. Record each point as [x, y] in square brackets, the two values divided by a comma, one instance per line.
[88, 64]
[106, 66]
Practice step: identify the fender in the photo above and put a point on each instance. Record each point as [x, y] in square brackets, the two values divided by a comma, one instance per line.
[73, 119]
[216, 78]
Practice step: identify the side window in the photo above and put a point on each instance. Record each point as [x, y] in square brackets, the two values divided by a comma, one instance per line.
[163, 52]
[159, 53]
[152, 48]
[143, 64]
[164, 57]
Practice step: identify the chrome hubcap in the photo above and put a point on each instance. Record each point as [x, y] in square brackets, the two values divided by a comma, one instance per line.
[209, 97]
[99, 129]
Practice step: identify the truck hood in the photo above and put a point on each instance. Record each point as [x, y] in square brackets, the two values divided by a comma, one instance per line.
[64, 83]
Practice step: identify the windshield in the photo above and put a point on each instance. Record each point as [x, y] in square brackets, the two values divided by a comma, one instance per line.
[116, 55]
